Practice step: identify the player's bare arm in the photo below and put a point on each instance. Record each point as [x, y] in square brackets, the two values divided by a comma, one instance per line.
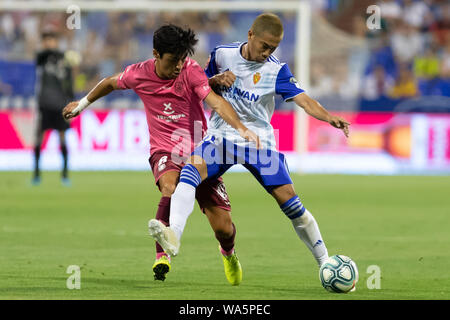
[316, 110]
[103, 88]
[227, 113]
[226, 79]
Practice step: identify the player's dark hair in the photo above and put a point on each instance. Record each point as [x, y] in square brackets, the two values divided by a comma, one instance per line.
[49, 34]
[174, 40]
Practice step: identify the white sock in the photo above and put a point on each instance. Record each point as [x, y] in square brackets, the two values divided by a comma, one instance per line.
[181, 206]
[308, 231]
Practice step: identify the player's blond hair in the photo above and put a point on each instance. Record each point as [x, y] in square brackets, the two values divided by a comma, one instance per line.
[268, 22]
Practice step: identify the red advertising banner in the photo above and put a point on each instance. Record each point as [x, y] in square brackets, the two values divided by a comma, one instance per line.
[110, 130]
[97, 140]
[420, 141]
[379, 143]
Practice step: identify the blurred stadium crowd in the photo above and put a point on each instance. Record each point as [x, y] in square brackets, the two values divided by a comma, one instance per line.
[352, 67]
[407, 59]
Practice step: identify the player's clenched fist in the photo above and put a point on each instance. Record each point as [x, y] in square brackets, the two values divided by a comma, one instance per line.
[69, 110]
[226, 79]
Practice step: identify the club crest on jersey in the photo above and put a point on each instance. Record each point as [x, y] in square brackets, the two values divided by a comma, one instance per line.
[178, 87]
[256, 77]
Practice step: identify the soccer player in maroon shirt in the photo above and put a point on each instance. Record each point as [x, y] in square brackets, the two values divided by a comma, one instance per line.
[173, 87]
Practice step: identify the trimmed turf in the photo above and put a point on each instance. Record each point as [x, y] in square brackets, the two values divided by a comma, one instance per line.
[400, 224]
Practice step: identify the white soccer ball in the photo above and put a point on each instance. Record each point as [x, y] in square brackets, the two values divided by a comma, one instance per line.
[338, 274]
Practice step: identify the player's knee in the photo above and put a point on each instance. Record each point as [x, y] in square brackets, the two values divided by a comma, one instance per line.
[283, 194]
[223, 228]
[289, 192]
[224, 232]
[167, 189]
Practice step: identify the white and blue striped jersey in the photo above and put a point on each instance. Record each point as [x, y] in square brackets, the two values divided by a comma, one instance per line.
[253, 93]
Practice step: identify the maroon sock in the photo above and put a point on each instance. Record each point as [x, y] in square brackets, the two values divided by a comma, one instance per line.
[226, 243]
[163, 215]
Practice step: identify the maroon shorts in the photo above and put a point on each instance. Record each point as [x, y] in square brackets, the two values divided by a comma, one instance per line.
[210, 192]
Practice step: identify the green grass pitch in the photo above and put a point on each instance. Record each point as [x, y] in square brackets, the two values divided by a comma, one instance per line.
[400, 224]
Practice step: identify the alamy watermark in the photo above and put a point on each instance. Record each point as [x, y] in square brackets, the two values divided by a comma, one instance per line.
[73, 21]
[374, 280]
[373, 22]
[74, 280]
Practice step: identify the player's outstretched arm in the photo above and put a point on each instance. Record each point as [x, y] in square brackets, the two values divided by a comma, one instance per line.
[227, 113]
[102, 89]
[316, 110]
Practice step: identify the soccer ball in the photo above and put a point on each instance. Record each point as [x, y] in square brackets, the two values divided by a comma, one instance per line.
[338, 274]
